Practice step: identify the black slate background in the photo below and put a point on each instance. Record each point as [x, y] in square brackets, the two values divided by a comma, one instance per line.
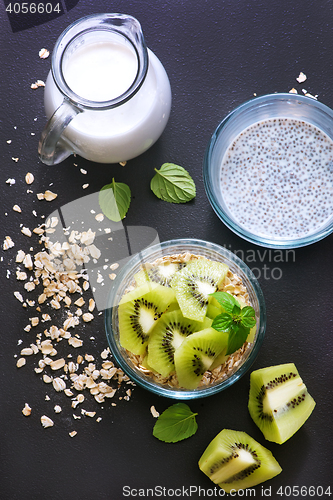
[217, 53]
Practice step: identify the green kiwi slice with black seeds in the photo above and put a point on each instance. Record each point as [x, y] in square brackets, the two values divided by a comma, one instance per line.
[279, 402]
[196, 354]
[235, 461]
[161, 273]
[138, 312]
[194, 283]
[167, 335]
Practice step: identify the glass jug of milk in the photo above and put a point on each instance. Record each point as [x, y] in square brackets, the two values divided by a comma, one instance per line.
[107, 96]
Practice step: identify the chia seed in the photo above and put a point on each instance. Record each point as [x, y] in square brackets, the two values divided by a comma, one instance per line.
[277, 178]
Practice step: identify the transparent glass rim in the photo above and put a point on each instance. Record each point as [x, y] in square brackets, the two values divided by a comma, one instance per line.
[100, 22]
[285, 243]
[199, 247]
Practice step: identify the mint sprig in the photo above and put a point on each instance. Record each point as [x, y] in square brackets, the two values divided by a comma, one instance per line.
[234, 319]
[176, 423]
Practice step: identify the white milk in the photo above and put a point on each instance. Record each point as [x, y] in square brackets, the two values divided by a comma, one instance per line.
[101, 71]
[104, 70]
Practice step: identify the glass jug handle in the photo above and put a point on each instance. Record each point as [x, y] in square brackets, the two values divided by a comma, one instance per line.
[52, 149]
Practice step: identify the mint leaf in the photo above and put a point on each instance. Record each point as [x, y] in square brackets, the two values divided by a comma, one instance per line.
[114, 200]
[173, 183]
[248, 316]
[226, 300]
[237, 336]
[176, 423]
[223, 322]
[236, 311]
[236, 320]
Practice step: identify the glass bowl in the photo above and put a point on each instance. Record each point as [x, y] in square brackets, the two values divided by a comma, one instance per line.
[292, 106]
[172, 247]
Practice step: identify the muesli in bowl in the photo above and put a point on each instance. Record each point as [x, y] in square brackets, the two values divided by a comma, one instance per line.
[185, 318]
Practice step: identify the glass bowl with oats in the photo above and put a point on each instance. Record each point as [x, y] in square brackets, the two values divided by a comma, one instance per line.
[185, 318]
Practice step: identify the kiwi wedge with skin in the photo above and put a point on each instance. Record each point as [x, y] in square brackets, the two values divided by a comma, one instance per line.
[166, 336]
[196, 354]
[279, 402]
[139, 311]
[194, 283]
[234, 461]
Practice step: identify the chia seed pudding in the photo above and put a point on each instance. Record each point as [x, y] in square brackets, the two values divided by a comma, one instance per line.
[277, 178]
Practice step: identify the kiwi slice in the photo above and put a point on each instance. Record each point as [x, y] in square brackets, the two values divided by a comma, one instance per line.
[220, 359]
[213, 310]
[162, 273]
[194, 283]
[138, 312]
[196, 354]
[166, 337]
[144, 363]
[234, 461]
[279, 402]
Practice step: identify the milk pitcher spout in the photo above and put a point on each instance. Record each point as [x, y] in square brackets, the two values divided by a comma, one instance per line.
[107, 96]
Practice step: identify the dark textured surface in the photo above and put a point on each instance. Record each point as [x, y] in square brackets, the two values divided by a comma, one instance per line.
[217, 54]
